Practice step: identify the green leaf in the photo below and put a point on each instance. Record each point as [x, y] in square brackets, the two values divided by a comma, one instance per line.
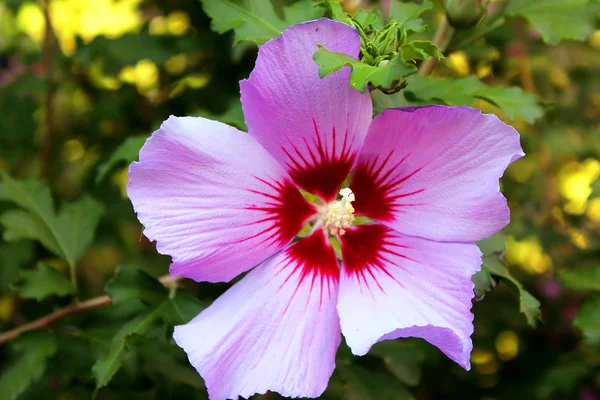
[14, 256]
[384, 76]
[233, 115]
[492, 245]
[175, 311]
[108, 365]
[42, 282]
[367, 384]
[528, 305]
[134, 283]
[420, 50]
[182, 309]
[66, 234]
[581, 279]
[588, 320]
[484, 282]
[127, 152]
[556, 20]
[256, 20]
[513, 101]
[402, 358]
[35, 349]
[407, 14]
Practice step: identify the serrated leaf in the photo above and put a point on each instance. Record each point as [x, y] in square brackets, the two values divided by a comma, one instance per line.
[108, 365]
[134, 283]
[127, 152]
[492, 245]
[35, 349]
[385, 76]
[256, 20]
[588, 320]
[528, 305]
[581, 279]
[420, 50]
[556, 20]
[42, 282]
[67, 234]
[484, 282]
[513, 101]
[175, 311]
[407, 14]
[403, 359]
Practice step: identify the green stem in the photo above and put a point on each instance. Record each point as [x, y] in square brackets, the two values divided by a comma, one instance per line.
[73, 274]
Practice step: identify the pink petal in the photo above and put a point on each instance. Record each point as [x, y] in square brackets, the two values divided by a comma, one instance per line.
[213, 199]
[433, 172]
[277, 329]
[313, 126]
[395, 286]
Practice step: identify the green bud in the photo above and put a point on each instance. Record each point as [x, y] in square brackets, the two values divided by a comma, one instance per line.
[465, 14]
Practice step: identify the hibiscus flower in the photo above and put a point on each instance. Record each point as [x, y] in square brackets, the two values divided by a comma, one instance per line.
[222, 202]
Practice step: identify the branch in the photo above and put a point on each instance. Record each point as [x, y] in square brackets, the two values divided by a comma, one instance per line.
[76, 308]
[442, 37]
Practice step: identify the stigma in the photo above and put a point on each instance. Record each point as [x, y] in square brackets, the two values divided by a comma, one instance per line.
[340, 214]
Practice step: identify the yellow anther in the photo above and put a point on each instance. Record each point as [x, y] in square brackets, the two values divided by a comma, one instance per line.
[340, 213]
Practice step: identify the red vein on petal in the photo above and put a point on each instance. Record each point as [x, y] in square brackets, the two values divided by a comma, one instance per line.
[321, 172]
[364, 250]
[284, 217]
[376, 188]
[312, 258]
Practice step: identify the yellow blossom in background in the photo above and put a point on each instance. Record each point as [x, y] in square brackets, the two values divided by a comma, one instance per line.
[527, 254]
[144, 75]
[158, 26]
[176, 64]
[507, 345]
[574, 182]
[595, 39]
[593, 210]
[81, 18]
[459, 63]
[178, 23]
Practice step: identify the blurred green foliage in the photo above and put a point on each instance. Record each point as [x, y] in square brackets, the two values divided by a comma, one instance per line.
[80, 95]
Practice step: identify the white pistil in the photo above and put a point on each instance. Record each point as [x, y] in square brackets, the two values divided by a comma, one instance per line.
[340, 213]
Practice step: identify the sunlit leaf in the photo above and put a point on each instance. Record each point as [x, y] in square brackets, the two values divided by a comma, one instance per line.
[66, 233]
[127, 152]
[588, 320]
[484, 282]
[513, 101]
[528, 304]
[42, 282]
[556, 20]
[407, 14]
[582, 278]
[492, 245]
[34, 350]
[134, 283]
[384, 76]
[256, 20]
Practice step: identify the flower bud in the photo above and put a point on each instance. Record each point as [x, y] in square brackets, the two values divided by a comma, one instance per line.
[465, 14]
